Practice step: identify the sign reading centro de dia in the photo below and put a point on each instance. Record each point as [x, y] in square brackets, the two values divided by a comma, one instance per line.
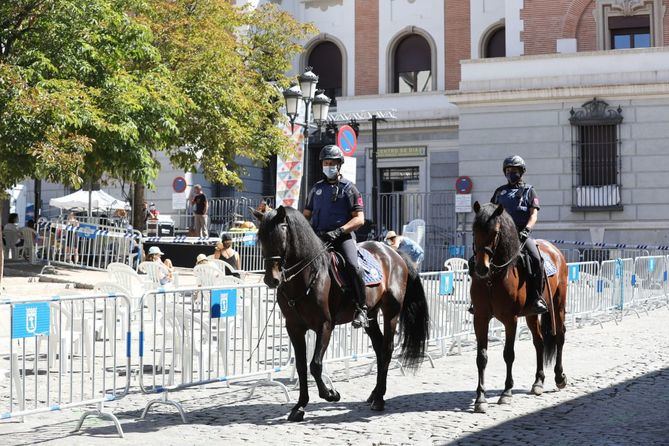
[399, 152]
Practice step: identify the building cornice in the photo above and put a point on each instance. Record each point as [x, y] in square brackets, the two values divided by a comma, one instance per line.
[467, 98]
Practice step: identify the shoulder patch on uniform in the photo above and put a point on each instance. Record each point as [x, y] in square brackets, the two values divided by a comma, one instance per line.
[319, 191]
[503, 192]
[360, 200]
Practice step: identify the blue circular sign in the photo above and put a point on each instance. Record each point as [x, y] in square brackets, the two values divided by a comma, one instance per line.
[179, 184]
[463, 185]
[347, 140]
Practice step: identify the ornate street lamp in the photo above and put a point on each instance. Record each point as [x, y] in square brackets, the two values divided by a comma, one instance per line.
[320, 108]
[321, 105]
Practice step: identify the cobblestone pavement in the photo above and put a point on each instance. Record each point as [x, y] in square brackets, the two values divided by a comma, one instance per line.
[617, 394]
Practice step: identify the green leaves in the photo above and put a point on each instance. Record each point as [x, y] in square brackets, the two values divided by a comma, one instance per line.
[94, 89]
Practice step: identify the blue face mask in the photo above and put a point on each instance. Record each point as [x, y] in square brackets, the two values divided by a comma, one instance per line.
[330, 172]
[513, 177]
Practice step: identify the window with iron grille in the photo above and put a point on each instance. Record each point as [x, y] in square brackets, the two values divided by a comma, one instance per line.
[595, 137]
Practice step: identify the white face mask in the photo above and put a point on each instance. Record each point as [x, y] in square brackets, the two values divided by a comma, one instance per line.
[331, 172]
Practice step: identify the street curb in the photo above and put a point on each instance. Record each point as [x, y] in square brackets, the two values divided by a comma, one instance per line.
[79, 285]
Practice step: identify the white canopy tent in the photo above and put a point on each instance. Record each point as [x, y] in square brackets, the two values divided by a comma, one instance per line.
[99, 201]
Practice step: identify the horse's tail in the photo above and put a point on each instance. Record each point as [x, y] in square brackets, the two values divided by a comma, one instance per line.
[550, 342]
[414, 319]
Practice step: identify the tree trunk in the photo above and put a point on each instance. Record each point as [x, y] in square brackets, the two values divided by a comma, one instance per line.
[2, 245]
[138, 206]
[37, 207]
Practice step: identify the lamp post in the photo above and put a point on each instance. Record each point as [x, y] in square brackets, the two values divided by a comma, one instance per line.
[321, 103]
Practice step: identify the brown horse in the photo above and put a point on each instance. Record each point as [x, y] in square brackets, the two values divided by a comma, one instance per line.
[297, 262]
[499, 290]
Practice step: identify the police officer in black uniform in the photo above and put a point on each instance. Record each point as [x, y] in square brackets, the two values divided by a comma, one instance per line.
[521, 201]
[335, 208]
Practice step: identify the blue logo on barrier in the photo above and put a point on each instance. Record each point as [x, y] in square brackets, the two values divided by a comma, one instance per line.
[665, 276]
[30, 320]
[223, 303]
[87, 231]
[574, 272]
[445, 283]
[249, 240]
[651, 265]
[456, 251]
[600, 286]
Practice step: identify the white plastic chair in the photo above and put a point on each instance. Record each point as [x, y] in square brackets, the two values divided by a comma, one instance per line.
[156, 273]
[27, 251]
[117, 266]
[456, 264]
[225, 267]
[121, 311]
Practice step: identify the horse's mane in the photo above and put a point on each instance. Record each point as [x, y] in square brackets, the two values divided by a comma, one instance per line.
[485, 221]
[302, 240]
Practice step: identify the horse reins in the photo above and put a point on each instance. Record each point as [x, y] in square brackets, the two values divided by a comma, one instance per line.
[491, 253]
[302, 265]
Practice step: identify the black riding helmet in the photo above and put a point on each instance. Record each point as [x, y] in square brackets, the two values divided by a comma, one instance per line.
[514, 161]
[331, 152]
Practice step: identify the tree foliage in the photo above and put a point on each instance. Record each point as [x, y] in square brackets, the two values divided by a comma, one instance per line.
[231, 63]
[95, 88]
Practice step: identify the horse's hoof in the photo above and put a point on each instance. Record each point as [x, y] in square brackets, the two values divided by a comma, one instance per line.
[378, 405]
[505, 399]
[333, 396]
[372, 397]
[296, 415]
[480, 407]
[562, 384]
[537, 389]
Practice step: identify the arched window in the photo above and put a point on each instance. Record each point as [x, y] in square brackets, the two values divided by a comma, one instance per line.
[413, 65]
[325, 60]
[495, 43]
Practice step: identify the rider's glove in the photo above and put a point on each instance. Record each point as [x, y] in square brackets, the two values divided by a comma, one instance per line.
[333, 236]
[524, 234]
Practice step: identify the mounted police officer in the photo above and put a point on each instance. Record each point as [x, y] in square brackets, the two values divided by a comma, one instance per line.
[334, 207]
[521, 202]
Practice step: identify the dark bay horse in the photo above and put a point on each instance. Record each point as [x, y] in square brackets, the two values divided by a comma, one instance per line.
[297, 262]
[499, 290]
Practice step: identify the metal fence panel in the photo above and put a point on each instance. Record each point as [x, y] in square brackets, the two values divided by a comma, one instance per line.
[64, 352]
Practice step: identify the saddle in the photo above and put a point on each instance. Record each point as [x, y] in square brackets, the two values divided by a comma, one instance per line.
[546, 263]
[372, 273]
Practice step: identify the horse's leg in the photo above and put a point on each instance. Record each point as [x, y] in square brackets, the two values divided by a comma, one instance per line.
[560, 377]
[375, 335]
[537, 340]
[389, 326]
[481, 323]
[296, 335]
[322, 342]
[509, 355]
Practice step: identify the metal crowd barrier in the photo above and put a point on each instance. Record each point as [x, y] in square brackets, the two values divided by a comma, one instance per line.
[649, 281]
[200, 336]
[64, 352]
[86, 245]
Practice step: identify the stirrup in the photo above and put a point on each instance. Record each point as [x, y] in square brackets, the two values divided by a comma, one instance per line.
[360, 313]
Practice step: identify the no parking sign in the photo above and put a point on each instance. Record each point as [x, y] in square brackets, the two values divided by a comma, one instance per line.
[347, 140]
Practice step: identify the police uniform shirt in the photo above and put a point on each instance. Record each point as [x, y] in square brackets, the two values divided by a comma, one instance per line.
[518, 200]
[331, 204]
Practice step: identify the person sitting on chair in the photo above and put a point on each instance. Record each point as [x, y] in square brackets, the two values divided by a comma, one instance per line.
[335, 209]
[520, 200]
[155, 256]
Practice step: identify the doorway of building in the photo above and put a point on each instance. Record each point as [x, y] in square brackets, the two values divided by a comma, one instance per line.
[400, 200]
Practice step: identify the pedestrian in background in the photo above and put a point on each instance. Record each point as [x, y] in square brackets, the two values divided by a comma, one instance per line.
[201, 208]
[406, 245]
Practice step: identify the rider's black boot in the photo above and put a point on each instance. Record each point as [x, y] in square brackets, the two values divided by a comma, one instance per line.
[535, 303]
[360, 318]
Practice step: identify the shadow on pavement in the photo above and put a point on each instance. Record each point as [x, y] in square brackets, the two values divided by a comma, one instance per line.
[632, 412]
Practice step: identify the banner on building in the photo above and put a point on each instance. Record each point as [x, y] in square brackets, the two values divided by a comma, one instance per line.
[289, 169]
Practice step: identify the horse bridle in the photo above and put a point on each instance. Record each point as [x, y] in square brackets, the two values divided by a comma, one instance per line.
[286, 273]
[491, 253]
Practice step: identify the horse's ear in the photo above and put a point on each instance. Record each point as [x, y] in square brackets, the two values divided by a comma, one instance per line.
[257, 214]
[281, 212]
[499, 211]
[476, 207]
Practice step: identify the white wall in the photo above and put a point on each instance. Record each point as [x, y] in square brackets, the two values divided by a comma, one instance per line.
[395, 15]
[483, 13]
[514, 25]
